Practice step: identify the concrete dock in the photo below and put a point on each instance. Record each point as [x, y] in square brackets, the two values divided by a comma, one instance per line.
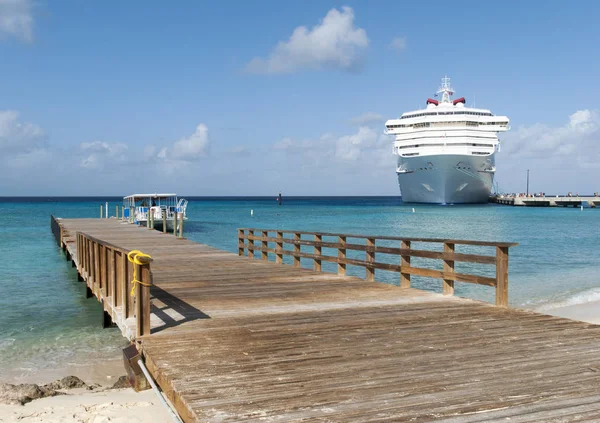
[232, 338]
[547, 201]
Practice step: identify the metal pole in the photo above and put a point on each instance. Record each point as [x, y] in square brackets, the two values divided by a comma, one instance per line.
[107, 209]
[528, 182]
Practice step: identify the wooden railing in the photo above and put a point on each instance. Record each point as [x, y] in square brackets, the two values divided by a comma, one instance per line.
[56, 230]
[109, 274]
[260, 239]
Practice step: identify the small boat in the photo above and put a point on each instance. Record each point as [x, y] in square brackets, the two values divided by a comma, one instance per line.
[137, 208]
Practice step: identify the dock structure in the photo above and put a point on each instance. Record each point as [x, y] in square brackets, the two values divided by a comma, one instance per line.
[548, 201]
[236, 338]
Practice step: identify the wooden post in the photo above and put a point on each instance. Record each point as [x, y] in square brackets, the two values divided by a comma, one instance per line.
[131, 214]
[448, 284]
[164, 221]
[102, 273]
[101, 211]
[112, 290]
[117, 212]
[241, 243]
[175, 224]
[317, 251]
[502, 276]
[279, 248]
[297, 237]
[405, 265]
[122, 212]
[142, 301]
[370, 270]
[97, 275]
[341, 256]
[150, 219]
[124, 279]
[181, 220]
[250, 244]
[265, 244]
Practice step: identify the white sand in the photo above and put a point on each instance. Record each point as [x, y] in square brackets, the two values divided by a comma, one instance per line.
[81, 405]
[587, 312]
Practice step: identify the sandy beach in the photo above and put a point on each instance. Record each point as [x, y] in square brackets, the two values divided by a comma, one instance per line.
[587, 312]
[82, 405]
[95, 401]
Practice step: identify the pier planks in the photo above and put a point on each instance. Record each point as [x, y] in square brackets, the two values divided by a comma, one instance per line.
[241, 339]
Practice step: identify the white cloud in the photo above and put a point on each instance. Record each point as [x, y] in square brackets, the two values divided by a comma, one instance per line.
[367, 118]
[238, 149]
[189, 149]
[16, 19]
[98, 154]
[351, 147]
[578, 139]
[335, 43]
[327, 148]
[398, 43]
[18, 137]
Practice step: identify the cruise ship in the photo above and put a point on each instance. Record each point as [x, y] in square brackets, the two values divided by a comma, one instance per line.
[446, 152]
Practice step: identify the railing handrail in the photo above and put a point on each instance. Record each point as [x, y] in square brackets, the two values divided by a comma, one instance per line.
[107, 271]
[392, 238]
[448, 256]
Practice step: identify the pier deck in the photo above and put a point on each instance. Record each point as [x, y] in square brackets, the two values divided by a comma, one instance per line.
[239, 339]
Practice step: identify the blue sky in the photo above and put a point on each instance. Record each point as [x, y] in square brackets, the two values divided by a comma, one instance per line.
[233, 98]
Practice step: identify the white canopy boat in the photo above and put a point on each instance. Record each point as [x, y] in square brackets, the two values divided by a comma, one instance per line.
[137, 208]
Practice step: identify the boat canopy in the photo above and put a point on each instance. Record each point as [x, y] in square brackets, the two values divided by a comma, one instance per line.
[432, 101]
[141, 196]
[459, 100]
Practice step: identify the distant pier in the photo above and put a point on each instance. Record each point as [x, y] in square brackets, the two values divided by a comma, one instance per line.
[547, 201]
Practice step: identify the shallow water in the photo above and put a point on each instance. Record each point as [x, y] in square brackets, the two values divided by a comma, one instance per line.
[46, 322]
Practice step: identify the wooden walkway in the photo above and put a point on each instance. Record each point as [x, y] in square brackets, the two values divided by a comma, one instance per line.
[239, 339]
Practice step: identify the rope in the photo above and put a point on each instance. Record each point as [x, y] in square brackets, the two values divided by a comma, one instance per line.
[134, 257]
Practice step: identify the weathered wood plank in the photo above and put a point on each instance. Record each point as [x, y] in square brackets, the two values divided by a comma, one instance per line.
[239, 339]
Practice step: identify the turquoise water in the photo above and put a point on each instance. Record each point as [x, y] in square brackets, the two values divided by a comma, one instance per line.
[46, 322]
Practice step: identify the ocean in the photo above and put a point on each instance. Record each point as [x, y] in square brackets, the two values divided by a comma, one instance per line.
[47, 323]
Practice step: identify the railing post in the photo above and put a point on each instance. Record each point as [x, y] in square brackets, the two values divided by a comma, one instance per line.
[181, 220]
[142, 300]
[112, 287]
[164, 221]
[150, 219]
[101, 210]
[265, 244]
[117, 212]
[250, 244]
[175, 224]
[279, 248]
[405, 265]
[318, 251]
[131, 214]
[448, 284]
[241, 243]
[297, 237]
[342, 256]
[370, 270]
[502, 276]
[124, 285]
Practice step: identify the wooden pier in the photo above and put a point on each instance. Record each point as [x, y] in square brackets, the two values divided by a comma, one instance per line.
[548, 201]
[232, 338]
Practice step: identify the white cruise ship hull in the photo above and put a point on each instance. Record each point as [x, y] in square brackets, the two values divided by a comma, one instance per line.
[446, 178]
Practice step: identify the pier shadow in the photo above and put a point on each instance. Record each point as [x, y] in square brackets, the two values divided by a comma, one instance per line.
[173, 305]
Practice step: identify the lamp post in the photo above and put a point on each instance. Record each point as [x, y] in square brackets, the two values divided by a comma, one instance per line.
[528, 182]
